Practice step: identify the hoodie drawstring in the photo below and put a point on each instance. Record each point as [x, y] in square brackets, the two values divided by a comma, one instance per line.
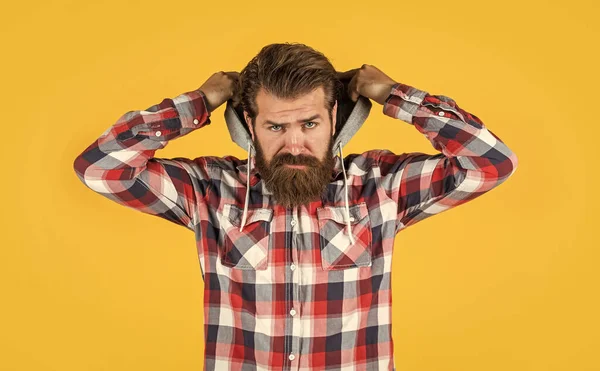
[248, 170]
[346, 209]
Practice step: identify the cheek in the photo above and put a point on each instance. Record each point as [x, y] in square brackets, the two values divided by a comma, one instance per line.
[318, 143]
[269, 147]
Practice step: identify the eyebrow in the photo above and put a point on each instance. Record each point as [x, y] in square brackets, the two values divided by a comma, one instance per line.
[269, 122]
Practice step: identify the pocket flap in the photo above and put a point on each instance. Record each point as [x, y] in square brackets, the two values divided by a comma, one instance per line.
[338, 213]
[235, 213]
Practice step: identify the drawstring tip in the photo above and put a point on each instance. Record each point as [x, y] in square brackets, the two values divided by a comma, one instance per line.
[350, 236]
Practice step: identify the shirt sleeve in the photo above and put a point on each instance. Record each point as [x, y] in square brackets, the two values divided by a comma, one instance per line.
[121, 166]
[472, 159]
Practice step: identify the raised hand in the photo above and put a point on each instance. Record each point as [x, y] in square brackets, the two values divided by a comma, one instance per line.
[368, 81]
[220, 87]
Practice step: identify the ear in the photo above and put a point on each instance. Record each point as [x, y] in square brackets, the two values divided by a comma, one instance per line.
[334, 117]
[249, 123]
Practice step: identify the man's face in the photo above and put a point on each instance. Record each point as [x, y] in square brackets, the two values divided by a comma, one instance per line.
[293, 140]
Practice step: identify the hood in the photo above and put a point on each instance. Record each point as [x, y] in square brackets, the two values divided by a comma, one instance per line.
[350, 117]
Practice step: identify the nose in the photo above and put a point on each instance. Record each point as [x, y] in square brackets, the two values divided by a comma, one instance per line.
[294, 142]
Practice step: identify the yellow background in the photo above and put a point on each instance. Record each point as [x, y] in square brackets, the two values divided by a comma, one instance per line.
[508, 281]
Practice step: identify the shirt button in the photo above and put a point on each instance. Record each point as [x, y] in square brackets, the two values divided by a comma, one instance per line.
[293, 222]
[196, 121]
[441, 113]
[292, 312]
[158, 133]
[352, 219]
[292, 357]
[292, 267]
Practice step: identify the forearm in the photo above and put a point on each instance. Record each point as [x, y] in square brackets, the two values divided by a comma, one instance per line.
[123, 150]
[458, 134]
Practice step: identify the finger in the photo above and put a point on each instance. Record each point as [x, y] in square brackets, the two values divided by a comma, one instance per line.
[347, 75]
[352, 89]
[235, 78]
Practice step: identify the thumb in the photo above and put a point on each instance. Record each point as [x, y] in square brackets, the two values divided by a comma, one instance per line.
[352, 89]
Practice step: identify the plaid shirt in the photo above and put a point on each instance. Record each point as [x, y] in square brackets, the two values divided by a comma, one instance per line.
[291, 292]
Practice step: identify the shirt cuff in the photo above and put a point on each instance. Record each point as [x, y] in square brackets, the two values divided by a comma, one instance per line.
[403, 102]
[192, 109]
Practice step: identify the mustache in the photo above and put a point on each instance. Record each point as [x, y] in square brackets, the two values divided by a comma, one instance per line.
[289, 159]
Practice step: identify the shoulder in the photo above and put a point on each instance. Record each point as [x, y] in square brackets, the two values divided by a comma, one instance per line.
[223, 163]
[365, 159]
[361, 164]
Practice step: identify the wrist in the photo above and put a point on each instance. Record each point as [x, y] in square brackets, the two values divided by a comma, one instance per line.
[207, 103]
[385, 92]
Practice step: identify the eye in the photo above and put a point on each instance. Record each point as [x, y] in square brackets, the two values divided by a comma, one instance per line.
[310, 124]
[275, 127]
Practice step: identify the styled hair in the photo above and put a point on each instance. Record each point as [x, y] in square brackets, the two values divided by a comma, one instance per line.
[287, 71]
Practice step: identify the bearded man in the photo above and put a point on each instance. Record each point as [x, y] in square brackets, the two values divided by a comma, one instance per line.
[295, 242]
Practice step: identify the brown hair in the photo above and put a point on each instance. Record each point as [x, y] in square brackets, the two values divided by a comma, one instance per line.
[288, 71]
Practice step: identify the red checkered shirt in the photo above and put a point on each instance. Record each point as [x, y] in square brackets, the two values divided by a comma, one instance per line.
[293, 291]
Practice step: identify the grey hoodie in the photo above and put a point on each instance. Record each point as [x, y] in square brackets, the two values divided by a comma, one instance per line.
[350, 117]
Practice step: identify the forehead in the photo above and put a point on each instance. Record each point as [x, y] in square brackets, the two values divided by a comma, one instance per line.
[277, 109]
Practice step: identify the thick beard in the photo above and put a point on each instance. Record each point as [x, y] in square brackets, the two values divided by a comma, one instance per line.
[293, 187]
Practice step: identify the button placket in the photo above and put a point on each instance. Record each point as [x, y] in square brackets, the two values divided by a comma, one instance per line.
[295, 275]
[293, 223]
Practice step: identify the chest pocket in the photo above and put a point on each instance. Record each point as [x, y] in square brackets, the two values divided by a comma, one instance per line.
[337, 250]
[248, 249]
